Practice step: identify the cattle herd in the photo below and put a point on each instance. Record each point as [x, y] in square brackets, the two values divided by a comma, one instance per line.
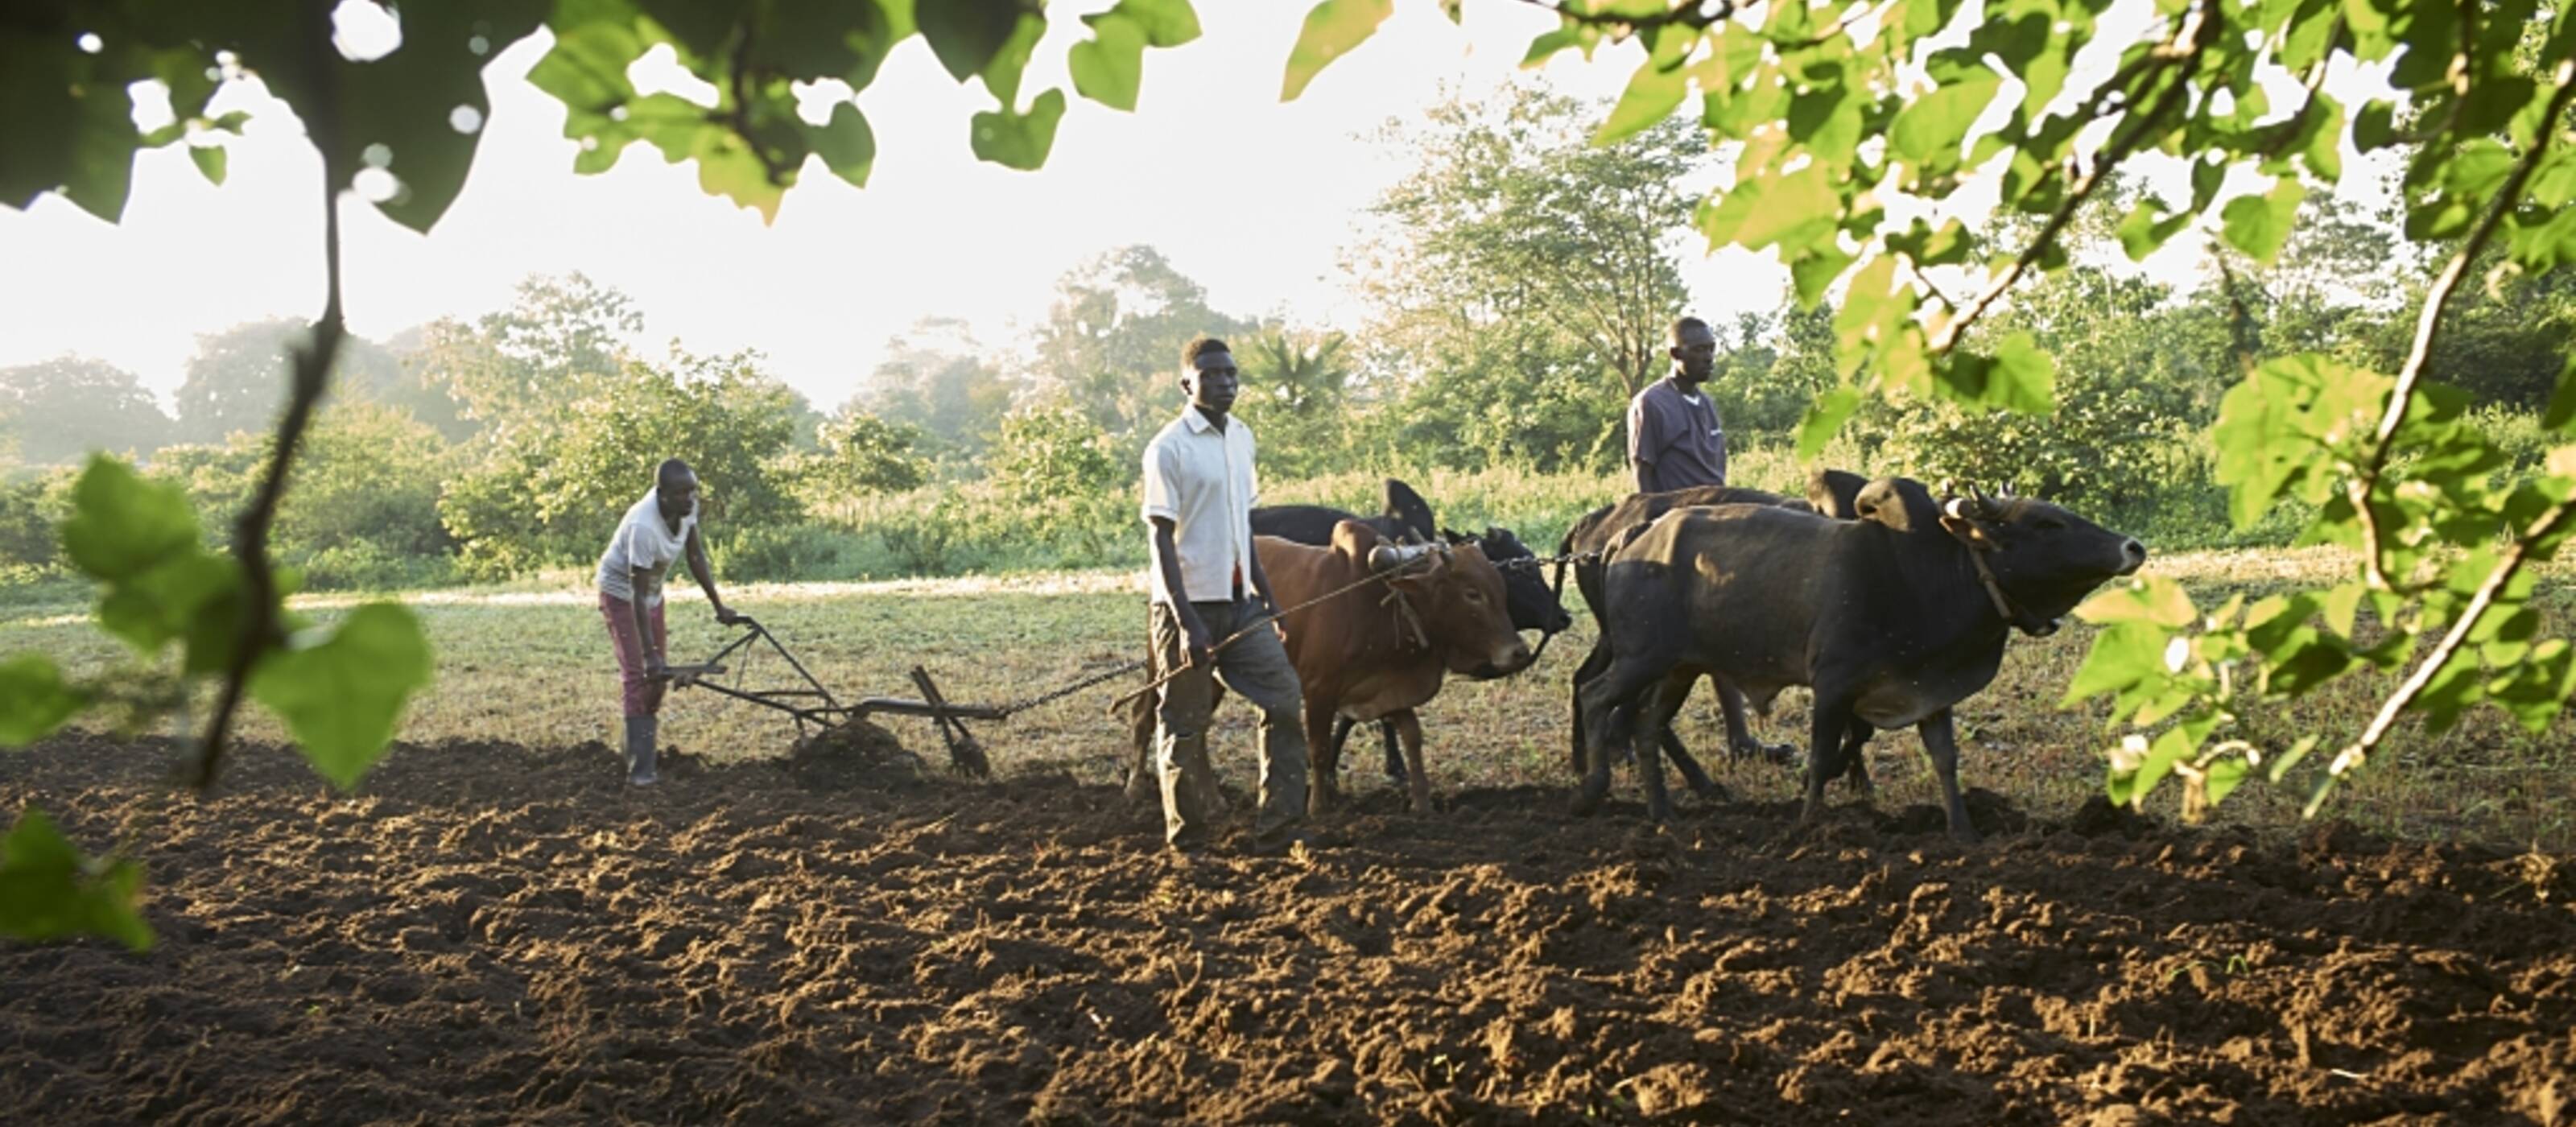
[1890, 604]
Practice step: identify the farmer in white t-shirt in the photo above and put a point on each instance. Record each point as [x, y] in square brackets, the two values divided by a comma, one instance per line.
[659, 529]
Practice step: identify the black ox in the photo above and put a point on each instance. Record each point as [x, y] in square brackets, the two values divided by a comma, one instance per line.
[1891, 618]
[1830, 492]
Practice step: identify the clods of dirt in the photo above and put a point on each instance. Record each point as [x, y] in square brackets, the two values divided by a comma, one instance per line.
[486, 933]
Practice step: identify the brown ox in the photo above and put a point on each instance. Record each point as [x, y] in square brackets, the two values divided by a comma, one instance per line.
[1379, 651]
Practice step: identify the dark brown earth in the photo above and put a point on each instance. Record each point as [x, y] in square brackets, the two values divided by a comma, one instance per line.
[495, 934]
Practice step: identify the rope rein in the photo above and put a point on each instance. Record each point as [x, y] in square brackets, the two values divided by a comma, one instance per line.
[1403, 609]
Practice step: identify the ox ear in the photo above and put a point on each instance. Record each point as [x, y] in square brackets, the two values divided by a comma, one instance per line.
[1836, 493]
[1398, 500]
[1959, 518]
[1884, 501]
[1353, 540]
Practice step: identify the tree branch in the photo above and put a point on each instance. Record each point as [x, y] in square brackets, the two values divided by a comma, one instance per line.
[2428, 322]
[2201, 29]
[312, 374]
[2358, 752]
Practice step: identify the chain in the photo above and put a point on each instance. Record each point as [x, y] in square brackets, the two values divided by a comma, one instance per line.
[1114, 672]
[1052, 696]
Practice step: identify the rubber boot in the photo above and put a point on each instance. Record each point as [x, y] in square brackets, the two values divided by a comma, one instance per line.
[641, 750]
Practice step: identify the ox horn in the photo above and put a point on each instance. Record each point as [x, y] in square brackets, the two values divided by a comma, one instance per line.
[1985, 504]
[1956, 508]
[1394, 557]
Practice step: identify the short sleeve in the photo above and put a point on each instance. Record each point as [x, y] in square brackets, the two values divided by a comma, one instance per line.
[1644, 442]
[1162, 487]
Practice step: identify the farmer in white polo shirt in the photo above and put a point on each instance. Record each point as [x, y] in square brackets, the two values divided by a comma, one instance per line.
[661, 528]
[1199, 493]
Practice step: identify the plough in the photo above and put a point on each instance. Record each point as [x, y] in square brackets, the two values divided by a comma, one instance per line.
[816, 710]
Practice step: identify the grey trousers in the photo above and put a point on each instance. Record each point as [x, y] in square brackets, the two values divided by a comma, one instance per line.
[1255, 668]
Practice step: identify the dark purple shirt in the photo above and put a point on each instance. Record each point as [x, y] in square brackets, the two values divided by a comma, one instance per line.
[1678, 436]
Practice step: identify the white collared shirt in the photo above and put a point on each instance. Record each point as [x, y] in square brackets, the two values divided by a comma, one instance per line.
[1200, 478]
[643, 541]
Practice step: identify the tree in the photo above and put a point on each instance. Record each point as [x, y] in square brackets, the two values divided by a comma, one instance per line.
[529, 359]
[934, 378]
[232, 379]
[551, 483]
[55, 412]
[858, 453]
[1296, 395]
[1524, 279]
[1111, 344]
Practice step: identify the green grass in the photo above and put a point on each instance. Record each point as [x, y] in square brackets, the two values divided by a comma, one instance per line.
[531, 665]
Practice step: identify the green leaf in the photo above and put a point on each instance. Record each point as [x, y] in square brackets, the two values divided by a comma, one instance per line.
[1019, 141]
[1928, 130]
[1109, 67]
[1796, 210]
[33, 700]
[1332, 29]
[967, 34]
[2224, 777]
[846, 144]
[1653, 93]
[342, 694]
[2151, 599]
[1166, 23]
[2561, 415]
[2174, 746]
[1002, 73]
[1825, 418]
[2125, 655]
[2291, 758]
[49, 891]
[123, 524]
[404, 106]
[210, 162]
[2260, 225]
[2023, 377]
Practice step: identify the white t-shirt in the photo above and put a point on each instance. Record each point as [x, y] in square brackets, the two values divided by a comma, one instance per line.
[1201, 479]
[644, 541]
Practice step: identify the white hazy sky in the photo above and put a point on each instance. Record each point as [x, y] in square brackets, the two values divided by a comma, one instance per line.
[1250, 197]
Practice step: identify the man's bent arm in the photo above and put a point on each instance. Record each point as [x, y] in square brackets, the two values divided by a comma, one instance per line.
[1645, 475]
[705, 573]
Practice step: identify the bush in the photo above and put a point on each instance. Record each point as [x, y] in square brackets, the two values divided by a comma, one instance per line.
[796, 552]
[366, 565]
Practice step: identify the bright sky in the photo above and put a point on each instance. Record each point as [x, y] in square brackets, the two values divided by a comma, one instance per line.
[1253, 198]
[1250, 197]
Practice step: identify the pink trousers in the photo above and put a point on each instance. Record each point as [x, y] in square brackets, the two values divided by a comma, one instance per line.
[643, 694]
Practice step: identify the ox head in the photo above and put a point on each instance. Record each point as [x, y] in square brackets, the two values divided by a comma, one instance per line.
[1457, 595]
[1399, 503]
[2043, 558]
[1532, 604]
[1836, 493]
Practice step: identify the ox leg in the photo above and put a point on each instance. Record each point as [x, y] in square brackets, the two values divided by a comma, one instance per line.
[1833, 719]
[1325, 789]
[1342, 726]
[1394, 755]
[1856, 767]
[1943, 742]
[1409, 727]
[1594, 664]
[1609, 708]
[1671, 742]
[1740, 740]
[1649, 718]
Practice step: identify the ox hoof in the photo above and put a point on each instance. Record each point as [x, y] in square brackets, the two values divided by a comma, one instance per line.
[1587, 802]
[1711, 792]
[1965, 835]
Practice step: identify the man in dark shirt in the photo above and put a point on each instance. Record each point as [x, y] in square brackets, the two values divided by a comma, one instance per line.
[1676, 442]
[1674, 439]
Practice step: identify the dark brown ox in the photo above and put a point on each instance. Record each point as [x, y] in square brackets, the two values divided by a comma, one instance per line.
[1382, 650]
[1891, 618]
[1830, 492]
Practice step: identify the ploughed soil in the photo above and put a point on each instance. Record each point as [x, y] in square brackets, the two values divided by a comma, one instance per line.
[489, 933]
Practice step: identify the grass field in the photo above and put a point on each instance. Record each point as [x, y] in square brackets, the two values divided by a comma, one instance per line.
[530, 665]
